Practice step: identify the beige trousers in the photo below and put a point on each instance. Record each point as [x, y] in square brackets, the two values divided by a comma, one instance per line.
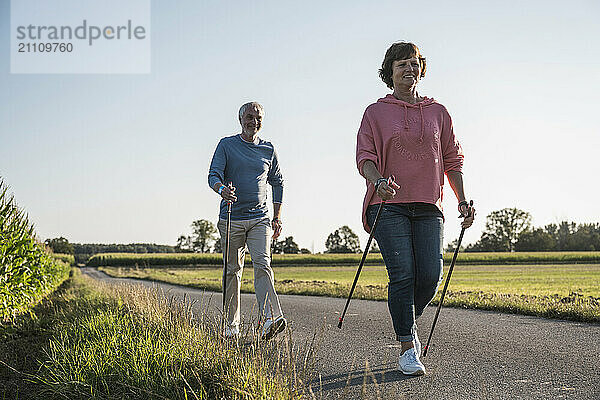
[256, 234]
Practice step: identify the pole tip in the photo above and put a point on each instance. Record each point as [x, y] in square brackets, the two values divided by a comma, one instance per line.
[340, 323]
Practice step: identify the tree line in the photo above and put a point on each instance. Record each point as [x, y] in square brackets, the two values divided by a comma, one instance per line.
[506, 230]
[84, 251]
[510, 229]
[204, 238]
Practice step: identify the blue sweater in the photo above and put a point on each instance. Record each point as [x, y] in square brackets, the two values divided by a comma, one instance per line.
[249, 167]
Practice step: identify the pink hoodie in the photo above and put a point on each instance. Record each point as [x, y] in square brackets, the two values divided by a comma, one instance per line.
[413, 142]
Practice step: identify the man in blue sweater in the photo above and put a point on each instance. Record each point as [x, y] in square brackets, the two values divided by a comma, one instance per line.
[240, 170]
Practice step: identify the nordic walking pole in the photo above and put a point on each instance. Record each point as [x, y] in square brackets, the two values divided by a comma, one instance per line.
[437, 313]
[364, 256]
[226, 253]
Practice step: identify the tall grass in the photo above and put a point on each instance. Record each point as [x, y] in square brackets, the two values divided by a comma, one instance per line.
[27, 271]
[189, 259]
[125, 341]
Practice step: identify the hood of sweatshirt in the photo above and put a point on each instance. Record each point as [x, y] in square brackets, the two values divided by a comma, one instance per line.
[426, 102]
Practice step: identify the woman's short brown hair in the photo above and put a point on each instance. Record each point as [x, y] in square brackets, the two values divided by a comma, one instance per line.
[399, 51]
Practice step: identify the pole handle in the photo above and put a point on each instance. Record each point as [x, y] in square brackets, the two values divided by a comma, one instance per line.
[229, 202]
[391, 179]
[468, 213]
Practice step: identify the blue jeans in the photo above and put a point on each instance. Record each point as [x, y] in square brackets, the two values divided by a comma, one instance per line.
[410, 237]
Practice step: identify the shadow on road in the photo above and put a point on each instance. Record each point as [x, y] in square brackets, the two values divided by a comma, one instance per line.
[377, 375]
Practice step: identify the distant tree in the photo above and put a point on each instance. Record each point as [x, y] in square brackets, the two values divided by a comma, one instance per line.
[569, 236]
[552, 229]
[586, 238]
[204, 235]
[561, 233]
[60, 245]
[374, 247]
[83, 251]
[184, 244]
[304, 251]
[139, 248]
[277, 246]
[502, 230]
[289, 246]
[450, 247]
[217, 246]
[343, 240]
[487, 242]
[536, 240]
[95, 248]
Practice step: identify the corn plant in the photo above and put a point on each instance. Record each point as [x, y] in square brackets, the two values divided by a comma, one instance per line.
[27, 271]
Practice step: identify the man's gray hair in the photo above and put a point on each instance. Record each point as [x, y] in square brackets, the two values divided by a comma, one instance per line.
[247, 106]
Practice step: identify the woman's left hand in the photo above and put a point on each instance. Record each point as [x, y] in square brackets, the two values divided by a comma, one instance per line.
[467, 211]
[387, 191]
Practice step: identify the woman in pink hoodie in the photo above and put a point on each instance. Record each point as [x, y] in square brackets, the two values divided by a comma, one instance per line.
[410, 137]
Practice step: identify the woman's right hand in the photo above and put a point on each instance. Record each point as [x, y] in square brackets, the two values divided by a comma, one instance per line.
[387, 191]
[228, 193]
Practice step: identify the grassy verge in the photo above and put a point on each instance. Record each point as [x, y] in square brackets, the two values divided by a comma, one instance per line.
[187, 259]
[556, 291]
[90, 340]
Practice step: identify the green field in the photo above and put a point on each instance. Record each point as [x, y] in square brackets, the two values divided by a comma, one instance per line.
[570, 291]
[188, 259]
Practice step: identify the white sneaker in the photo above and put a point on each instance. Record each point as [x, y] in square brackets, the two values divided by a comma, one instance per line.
[409, 363]
[231, 332]
[273, 327]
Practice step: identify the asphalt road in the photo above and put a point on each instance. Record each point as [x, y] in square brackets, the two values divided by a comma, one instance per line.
[475, 354]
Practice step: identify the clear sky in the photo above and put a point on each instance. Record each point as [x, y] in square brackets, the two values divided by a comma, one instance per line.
[124, 158]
